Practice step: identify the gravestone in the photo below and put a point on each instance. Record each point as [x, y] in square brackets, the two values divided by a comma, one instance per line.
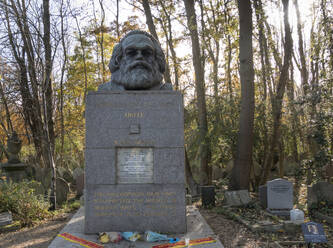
[5, 218]
[237, 197]
[263, 195]
[320, 191]
[134, 172]
[77, 172]
[279, 196]
[79, 184]
[62, 189]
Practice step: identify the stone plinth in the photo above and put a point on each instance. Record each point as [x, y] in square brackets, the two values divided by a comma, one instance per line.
[134, 173]
[15, 172]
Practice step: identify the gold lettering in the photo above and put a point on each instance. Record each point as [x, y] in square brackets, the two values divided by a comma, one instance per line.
[134, 114]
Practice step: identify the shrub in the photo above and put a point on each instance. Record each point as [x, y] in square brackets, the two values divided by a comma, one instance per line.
[21, 199]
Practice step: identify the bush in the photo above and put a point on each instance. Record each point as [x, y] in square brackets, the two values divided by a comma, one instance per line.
[21, 199]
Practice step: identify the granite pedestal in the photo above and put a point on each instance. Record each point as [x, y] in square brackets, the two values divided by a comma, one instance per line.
[134, 172]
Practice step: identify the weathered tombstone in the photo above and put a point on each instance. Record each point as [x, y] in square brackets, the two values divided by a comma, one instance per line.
[77, 172]
[62, 189]
[321, 191]
[237, 198]
[208, 196]
[5, 218]
[279, 196]
[44, 176]
[78, 175]
[79, 184]
[263, 195]
[134, 172]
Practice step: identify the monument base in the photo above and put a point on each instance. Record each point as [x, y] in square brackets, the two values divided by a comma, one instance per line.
[197, 228]
[15, 172]
[279, 212]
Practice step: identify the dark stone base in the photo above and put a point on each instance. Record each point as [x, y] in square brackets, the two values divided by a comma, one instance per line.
[208, 196]
[14, 167]
[280, 212]
[15, 172]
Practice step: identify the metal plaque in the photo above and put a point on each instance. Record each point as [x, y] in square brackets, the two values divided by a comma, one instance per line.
[135, 165]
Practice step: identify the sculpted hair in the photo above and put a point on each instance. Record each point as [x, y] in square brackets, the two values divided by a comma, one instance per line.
[117, 52]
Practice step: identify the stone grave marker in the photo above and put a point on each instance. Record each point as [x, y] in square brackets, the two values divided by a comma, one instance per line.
[77, 172]
[279, 196]
[263, 195]
[5, 218]
[62, 189]
[320, 191]
[134, 172]
[237, 198]
[79, 184]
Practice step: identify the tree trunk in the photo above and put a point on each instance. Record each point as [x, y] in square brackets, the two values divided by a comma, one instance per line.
[30, 102]
[102, 41]
[168, 35]
[304, 71]
[152, 30]
[265, 69]
[278, 98]
[61, 108]
[240, 175]
[47, 93]
[4, 101]
[84, 60]
[294, 123]
[193, 186]
[200, 91]
[117, 21]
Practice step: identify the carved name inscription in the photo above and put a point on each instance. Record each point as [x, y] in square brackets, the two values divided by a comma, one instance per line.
[135, 165]
[134, 203]
[134, 114]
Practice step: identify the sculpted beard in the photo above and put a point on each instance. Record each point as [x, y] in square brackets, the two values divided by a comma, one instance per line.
[137, 75]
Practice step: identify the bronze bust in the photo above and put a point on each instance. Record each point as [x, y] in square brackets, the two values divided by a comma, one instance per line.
[137, 63]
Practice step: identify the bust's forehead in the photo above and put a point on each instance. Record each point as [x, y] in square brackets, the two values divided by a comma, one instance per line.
[137, 40]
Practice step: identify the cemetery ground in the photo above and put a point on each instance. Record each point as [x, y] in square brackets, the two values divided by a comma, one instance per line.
[234, 226]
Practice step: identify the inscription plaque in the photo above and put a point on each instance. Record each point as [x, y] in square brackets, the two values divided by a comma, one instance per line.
[135, 165]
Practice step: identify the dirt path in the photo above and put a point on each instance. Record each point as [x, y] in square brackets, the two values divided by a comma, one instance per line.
[230, 233]
[35, 237]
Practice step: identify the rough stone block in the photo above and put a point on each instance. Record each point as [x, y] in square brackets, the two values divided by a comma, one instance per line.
[237, 198]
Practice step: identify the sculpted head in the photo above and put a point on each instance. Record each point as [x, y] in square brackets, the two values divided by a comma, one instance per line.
[137, 62]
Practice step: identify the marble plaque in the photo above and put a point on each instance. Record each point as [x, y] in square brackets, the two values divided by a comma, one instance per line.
[135, 165]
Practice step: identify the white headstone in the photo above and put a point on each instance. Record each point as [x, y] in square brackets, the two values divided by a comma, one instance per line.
[279, 196]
